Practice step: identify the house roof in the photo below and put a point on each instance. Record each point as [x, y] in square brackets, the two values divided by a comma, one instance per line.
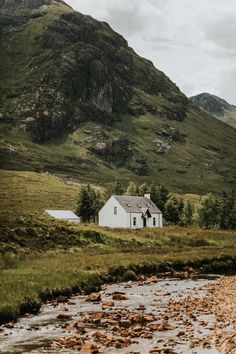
[62, 214]
[133, 204]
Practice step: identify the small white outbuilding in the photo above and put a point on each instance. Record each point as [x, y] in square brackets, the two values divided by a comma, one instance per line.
[130, 212]
[64, 215]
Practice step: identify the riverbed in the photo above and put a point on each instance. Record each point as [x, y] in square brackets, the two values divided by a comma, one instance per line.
[152, 315]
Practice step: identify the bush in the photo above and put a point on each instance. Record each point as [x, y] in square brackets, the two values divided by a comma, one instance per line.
[129, 275]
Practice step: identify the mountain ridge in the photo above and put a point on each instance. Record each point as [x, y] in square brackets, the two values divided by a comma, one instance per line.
[216, 106]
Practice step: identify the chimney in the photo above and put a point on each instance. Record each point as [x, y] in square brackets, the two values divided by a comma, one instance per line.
[147, 195]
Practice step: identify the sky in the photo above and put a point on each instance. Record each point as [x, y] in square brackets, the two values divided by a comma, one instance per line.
[191, 41]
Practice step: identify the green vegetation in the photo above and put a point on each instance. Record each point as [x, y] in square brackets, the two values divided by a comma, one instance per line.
[140, 126]
[122, 117]
[41, 258]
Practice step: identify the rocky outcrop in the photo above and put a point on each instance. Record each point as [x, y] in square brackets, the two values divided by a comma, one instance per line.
[117, 151]
[210, 103]
[170, 133]
[80, 70]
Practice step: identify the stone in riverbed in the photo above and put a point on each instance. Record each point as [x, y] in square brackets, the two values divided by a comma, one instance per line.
[96, 318]
[119, 296]
[108, 303]
[125, 323]
[61, 299]
[94, 297]
[63, 316]
[89, 348]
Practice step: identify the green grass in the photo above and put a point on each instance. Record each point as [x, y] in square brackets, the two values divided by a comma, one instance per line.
[43, 259]
[40, 258]
[203, 163]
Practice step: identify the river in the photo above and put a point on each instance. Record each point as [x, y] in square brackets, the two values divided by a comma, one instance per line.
[147, 316]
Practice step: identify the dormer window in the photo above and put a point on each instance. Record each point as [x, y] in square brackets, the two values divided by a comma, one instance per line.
[115, 210]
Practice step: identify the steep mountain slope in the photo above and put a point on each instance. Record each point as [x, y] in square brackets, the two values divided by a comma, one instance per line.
[216, 106]
[77, 100]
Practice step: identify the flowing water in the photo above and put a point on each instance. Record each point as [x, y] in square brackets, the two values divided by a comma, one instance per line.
[36, 334]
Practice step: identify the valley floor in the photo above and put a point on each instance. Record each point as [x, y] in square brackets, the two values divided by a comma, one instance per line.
[40, 261]
[42, 258]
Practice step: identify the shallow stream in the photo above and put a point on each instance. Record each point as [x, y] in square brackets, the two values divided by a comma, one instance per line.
[38, 333]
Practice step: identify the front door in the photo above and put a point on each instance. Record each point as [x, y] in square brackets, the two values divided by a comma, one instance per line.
[144, 222]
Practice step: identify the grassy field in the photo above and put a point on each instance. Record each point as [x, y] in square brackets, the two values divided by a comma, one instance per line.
[28, 194]
[41, 258]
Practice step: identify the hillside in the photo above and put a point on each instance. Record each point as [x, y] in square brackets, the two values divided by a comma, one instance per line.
[216, 106]
[76, 100]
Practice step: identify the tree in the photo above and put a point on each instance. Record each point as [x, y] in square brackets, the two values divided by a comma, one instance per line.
[228, 211]
[172, 210]
[159, 195]
[144, 188]
[208, 212]
[132, 189]
[116, 188]
[187, 214]
[181, 208]
[88, 203]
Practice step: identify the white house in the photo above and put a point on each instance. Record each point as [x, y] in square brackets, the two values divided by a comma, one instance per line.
[130, 212]
[64, 215]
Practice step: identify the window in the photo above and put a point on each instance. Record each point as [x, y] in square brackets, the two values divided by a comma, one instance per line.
[115, 210]
[134, 221]
[154, 221]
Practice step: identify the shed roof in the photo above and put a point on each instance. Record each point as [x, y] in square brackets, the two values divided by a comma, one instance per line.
[62, 214]
[133, 204]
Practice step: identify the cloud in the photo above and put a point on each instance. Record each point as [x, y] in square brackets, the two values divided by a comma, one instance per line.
[193, 42]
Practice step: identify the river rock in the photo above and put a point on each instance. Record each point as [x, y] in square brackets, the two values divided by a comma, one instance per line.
[94, 297]
[119, 296]
[89, 348]
[61, 299]
[108, 303]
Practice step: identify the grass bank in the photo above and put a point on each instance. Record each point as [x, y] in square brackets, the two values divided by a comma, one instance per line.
[42, 260]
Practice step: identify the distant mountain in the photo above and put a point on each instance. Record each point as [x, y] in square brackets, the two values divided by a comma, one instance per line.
[76, 100]
[216, 106]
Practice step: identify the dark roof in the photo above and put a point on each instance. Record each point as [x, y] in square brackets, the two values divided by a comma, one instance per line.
[133, 204]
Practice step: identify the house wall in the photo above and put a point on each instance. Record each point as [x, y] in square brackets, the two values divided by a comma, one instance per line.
[139, 220]
[106, 216]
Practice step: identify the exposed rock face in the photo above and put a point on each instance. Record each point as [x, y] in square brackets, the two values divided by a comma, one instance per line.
[118, 150]
[161, 146]
[210, 103]
[216, 106]
[170, 133]
[77, 69]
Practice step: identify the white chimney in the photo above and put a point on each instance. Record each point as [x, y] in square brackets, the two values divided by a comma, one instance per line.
[147, 195]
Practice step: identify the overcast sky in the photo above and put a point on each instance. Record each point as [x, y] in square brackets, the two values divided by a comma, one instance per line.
[192, 41]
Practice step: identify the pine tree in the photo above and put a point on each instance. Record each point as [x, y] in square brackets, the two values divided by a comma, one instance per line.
[172, 210]
[159, 195]
[86, 205]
